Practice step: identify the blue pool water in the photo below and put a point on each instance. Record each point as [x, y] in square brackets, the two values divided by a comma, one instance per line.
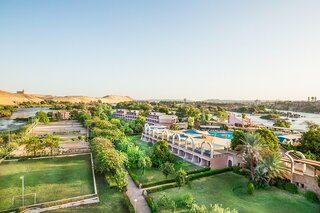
[190, 131]
[229, 135]
[225, 134]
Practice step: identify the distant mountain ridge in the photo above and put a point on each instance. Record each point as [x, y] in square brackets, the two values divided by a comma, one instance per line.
[8, 98]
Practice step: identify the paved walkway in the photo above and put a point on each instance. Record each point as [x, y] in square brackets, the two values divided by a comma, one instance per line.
[134, 193]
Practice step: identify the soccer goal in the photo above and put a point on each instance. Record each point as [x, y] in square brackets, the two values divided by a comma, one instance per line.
[26, 200]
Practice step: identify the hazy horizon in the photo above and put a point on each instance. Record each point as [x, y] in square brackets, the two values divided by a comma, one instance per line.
[196, 50]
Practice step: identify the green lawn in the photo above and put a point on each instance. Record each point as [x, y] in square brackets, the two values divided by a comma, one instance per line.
[50, 179]
[154, 174]
[111, 200]
[229, 189]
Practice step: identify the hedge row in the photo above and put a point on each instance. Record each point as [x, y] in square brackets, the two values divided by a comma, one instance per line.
[172, 180]
[163, 187]
[160, 182]
[152, 205]
[198, 170]
[209, 173]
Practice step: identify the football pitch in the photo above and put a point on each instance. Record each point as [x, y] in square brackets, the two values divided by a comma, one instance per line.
[50, 179]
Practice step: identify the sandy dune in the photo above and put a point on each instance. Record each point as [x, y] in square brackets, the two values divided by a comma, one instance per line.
[7, 98]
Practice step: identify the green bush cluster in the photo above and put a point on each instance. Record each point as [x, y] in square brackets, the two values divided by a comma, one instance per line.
[250, 188]
[111, 181]
[311, 196]
[285, 185]
[152, 205]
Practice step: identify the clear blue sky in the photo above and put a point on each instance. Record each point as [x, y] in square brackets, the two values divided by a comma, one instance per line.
[162, 49]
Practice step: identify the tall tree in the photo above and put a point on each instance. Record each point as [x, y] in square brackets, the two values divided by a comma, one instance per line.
[161, 153]
[34, 144]
[268, 138]
[167, 169]
[51, 142]
[269, 169]
[251, 149]
[237, 139]
[181, 178]
[43, 117]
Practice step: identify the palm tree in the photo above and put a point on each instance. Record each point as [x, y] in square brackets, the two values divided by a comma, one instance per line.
[270, 167]
[250, 150]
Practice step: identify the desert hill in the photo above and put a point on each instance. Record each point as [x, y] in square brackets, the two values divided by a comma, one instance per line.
[8, 98]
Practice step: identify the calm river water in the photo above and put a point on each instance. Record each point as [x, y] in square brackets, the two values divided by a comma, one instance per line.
[12, 124]
[296, 123]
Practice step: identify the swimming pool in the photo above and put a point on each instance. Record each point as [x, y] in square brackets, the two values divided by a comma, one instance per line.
[225, 135]
[191, 131]
[229, 135]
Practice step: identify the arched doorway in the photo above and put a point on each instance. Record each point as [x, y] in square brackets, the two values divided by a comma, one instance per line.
[229, 163]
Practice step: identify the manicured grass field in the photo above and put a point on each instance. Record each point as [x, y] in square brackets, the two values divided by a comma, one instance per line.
[111, 200]
[155, 174]
[51, 179]
[229, 189]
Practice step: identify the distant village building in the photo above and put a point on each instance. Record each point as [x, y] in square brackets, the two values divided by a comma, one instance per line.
[126, 114]
[61, 115]
[161, 119]
[239, 121]
[20, 92]
[312, 99]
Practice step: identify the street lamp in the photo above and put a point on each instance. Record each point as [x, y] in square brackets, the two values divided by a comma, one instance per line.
[22, 179]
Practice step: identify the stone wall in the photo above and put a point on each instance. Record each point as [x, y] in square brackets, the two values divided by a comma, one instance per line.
[306, 182]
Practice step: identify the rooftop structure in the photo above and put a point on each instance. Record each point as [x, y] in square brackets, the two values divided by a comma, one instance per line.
[126, 114]
[60, 115]
[239, 121]
[20, 92]
[161, 119]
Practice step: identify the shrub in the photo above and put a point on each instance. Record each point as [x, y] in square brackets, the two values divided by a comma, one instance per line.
[319, 181]
[311, 196]
[285, 185]
[290, 187]
[279, 183]
[164, 200]
[152, 205]
[181, 178]
[250, 188]
[188, 200]
[111, 181]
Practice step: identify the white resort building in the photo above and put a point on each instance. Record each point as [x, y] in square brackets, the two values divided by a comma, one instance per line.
[161, 119]
[195, 146]
[126, 114]
[204, 149]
